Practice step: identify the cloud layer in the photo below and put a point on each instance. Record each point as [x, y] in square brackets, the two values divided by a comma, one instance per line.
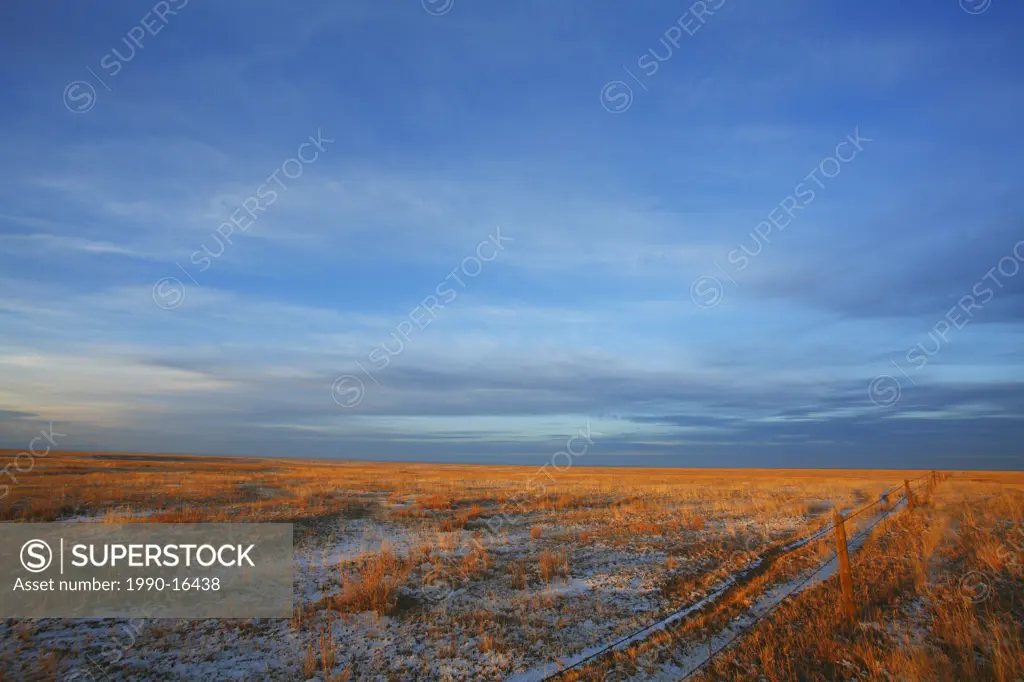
[155, 299]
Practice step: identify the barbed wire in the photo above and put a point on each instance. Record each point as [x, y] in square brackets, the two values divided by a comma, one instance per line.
[756, 620]
[882, 497]
[793, 546]
[708, 597]
[750, 626]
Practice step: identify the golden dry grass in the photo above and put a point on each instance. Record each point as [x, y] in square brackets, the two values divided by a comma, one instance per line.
[699, 526]
[937, 593]
[932, 603]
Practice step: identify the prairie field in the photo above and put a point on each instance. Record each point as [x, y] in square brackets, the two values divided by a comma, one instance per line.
[759, 264]
[471, 572]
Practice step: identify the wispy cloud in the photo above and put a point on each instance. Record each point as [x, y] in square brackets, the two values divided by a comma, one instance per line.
[489, 116]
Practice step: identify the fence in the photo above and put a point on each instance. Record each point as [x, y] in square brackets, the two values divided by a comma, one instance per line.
[837, 526]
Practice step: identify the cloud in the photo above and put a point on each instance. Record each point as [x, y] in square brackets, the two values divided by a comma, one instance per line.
[452, 129]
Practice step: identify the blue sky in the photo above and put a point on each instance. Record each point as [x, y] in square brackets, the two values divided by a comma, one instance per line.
[494, 223]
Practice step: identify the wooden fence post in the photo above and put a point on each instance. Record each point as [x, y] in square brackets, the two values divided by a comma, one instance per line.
[845, 576]
[910, 494]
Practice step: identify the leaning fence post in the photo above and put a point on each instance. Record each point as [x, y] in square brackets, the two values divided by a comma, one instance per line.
[910, 494]
[845, 576]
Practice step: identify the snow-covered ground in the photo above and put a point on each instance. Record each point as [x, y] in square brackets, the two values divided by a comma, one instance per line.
[479, 628]
[652, 665]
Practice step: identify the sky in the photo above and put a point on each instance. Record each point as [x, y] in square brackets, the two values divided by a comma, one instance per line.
[726, 233]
